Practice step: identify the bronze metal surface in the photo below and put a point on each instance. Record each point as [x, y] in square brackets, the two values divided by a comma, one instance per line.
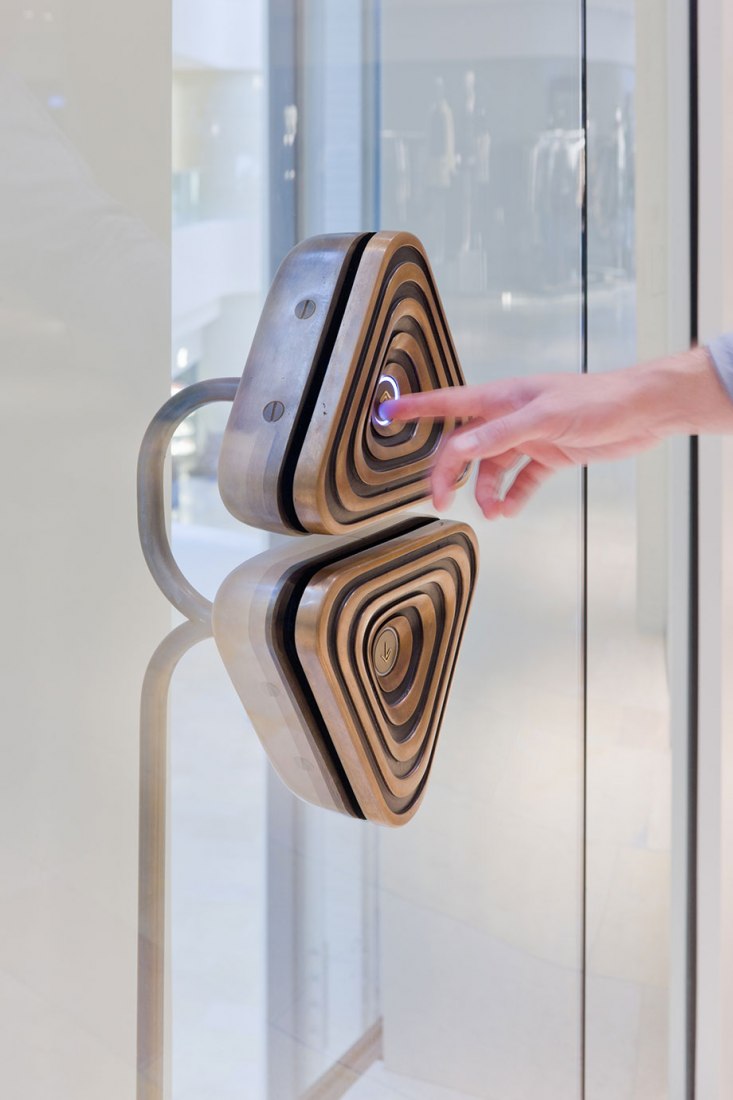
[325, 463]
[301, 630]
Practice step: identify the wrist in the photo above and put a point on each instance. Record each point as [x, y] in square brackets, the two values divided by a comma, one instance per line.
[685, 395]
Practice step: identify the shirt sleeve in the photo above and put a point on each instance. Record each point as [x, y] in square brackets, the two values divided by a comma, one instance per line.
[721, 353]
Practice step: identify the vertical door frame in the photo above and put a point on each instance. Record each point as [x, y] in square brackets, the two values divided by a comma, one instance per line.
[714, 1068]
[668, 266]
[281, 158]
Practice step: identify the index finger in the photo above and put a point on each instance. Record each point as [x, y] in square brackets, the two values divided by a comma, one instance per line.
[452, 402]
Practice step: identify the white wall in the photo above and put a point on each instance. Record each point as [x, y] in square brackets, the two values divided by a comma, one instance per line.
[84, 334]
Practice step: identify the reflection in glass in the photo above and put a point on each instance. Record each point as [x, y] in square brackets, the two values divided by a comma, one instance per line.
[151, 962]
[342, 651]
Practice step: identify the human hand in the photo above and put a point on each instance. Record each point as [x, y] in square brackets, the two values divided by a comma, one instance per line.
[556, 420]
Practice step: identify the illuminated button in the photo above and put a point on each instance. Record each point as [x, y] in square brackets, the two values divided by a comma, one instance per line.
[387, 390]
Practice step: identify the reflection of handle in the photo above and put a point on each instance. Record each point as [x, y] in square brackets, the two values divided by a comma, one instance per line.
[151, 893]
[151, 496]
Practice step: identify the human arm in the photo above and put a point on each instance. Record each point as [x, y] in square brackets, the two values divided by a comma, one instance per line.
[556, 420]
[721, 353]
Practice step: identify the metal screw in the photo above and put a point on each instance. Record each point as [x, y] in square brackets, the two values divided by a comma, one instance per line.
[273, 410]
[305, 309]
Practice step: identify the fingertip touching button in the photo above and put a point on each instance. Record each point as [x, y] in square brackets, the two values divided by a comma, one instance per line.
[387, 390]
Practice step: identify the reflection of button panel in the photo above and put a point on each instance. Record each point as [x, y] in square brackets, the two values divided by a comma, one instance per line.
[391, 621]
[362, 634]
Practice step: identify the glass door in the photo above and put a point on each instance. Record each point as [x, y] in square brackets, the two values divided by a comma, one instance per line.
[525, 935]
[445, 959]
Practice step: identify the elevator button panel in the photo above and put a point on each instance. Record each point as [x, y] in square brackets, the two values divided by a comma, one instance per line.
[350, 321]
[342, 649]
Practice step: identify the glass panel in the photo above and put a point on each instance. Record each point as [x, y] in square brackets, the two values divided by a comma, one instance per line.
[218, 193]
[442, 959]
[472, 975]
[637, 585]
[216, 968]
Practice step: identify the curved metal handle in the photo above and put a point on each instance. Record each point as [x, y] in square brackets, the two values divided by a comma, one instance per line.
[151, 495]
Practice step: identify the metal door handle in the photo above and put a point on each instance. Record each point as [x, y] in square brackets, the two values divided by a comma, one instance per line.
[154, 540]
